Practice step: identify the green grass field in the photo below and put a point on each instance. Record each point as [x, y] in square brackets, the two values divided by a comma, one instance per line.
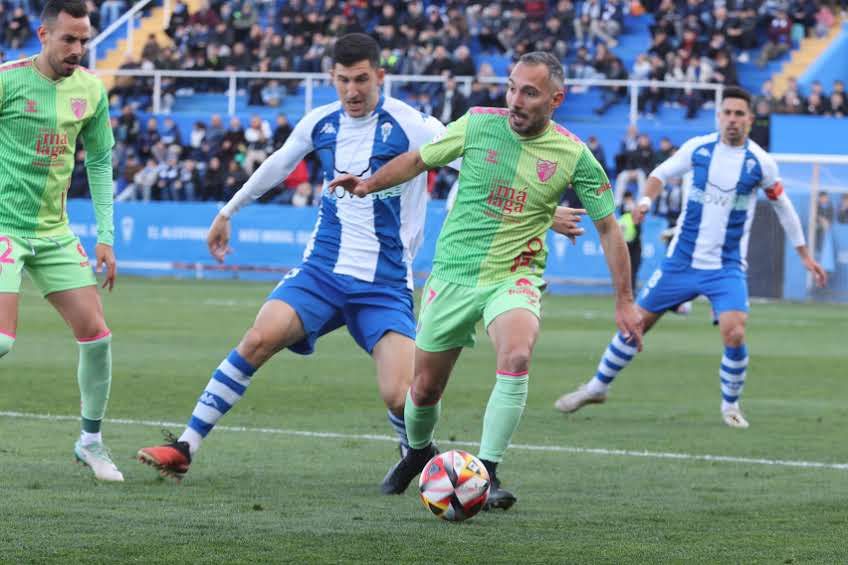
[278, 496]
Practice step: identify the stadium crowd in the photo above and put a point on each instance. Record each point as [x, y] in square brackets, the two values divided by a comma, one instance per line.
[692, 40]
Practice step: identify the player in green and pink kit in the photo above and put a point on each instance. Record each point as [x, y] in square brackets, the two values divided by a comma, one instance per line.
[491, 254]
[46, 103]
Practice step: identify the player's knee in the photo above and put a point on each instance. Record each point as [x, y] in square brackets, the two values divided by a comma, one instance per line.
[734, 336]
[425, 394]
[6, 343]
[515, 359]
[256, 347]
[395, 401]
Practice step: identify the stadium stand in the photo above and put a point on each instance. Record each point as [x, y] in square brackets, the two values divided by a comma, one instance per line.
[693, 40]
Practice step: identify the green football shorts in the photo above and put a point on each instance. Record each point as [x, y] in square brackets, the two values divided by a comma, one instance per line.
[53, 263]
[449, 312]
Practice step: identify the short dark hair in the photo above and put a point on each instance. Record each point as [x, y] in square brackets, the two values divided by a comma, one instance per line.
[74, 8]
[555, 72]
[355, 47]
[737, 92]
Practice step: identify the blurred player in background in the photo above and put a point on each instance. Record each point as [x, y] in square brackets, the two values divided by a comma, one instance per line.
[46, 103]
[491, 254]
[707, 254]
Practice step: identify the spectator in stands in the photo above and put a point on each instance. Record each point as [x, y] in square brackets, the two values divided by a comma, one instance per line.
[824, 218]
[214, 178]
[598, 151]
[179, 18]
[825, 20]
[142, 183]
[842, 215]
[586, 23]
[273, 94]
[608, 26]
[151, 48]
[170, 133]
[147, 138]
[234, 142]
[724, 71]
[816, 105]
[837, 105]
[128, 128]
[779, 39]
[613, 94]
[188, 182]
[451, 104]
[215, 133]
[463, 63]
[302, 195]
[168, 174]
[234, 179]
[742, 32]
[282, 131]
[258, 143]
[18, 28]
[761, 128]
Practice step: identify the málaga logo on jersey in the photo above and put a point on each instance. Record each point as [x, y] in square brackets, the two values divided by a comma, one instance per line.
[545, 169]
[52, 145]
[78, 107]
[506, 200]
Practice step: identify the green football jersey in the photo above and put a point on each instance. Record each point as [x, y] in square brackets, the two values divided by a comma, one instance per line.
[509, 188]
[40, 120]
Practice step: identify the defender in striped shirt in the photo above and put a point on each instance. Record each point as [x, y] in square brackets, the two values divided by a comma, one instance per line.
[47, 102]
[491, 253]
[707, 254]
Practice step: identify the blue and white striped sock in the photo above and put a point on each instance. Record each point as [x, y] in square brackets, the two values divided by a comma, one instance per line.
[399, 426]
[226, 387]
[732, 374]
[618, 355]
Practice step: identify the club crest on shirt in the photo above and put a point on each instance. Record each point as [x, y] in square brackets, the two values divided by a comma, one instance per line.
[386, 131]
[545, 169]
[78, 107]
[749, 165]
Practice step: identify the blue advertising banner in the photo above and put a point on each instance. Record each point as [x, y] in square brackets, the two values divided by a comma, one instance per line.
[169, 239]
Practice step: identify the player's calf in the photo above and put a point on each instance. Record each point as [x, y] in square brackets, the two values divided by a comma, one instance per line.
[6, 343]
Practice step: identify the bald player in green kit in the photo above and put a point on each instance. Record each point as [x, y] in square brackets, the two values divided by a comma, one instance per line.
[491, 254]
[47, 102]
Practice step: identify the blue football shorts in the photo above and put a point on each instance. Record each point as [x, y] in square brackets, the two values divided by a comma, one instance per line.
[326, 301]
[726, 289]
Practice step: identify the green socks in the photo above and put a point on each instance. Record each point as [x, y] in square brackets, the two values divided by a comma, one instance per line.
[420, 422]
[94, 377]
[503, 413]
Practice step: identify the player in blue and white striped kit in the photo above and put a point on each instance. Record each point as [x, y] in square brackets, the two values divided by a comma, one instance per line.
[707, 254]
[357, 268]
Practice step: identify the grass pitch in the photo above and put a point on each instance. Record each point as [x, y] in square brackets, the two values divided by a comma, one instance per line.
[283, 497]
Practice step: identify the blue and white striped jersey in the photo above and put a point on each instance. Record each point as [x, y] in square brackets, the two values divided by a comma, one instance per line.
[373, 239]
[716, 219]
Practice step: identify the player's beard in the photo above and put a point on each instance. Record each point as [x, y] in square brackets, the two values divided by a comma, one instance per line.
[530, 126]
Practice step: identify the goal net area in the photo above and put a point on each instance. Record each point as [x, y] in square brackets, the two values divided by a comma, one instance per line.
[818, 187]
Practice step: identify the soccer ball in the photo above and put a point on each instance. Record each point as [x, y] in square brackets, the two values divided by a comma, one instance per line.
[454, 485]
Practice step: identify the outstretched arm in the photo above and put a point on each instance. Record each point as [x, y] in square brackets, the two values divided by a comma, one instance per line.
[794, 232]
[627, 317]
[397, 171]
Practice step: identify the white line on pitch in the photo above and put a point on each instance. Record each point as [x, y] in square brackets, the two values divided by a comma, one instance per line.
[547, 448]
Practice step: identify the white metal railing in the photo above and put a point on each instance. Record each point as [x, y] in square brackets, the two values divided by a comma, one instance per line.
[310, 79]
[128, 19]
